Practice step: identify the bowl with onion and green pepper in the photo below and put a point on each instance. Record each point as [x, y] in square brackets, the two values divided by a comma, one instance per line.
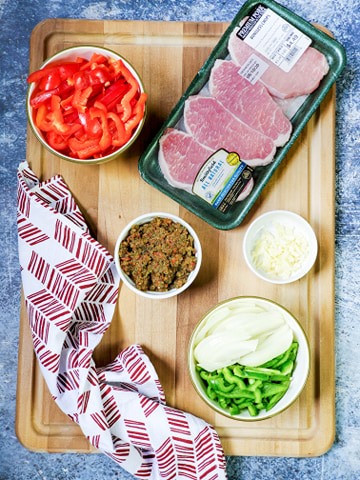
[249, 358]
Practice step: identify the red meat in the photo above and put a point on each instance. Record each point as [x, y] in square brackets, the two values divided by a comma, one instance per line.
[302, 79]
[215, 127]
[181, 157]
[250, 103]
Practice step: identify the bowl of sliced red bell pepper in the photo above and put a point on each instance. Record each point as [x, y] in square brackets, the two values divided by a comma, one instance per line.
[86, 104]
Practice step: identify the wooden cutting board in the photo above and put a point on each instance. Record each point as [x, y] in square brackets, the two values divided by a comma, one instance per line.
[167, 55]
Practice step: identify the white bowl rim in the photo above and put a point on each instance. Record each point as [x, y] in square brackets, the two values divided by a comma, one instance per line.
[282, 405]
[305, 227]
[90, 49]
[145, 218]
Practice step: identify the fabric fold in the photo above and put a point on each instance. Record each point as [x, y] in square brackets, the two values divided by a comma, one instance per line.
[70, 286]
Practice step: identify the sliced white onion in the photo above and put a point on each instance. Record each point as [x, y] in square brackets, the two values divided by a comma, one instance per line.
[272, 346]
[248, 334]
[212, 321]
[222, 349]
[222, 313]
[250, 325]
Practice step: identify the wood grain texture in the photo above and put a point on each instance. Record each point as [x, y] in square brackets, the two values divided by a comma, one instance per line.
[167, 55]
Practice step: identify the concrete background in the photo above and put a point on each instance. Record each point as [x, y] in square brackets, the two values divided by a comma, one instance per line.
[17, 19]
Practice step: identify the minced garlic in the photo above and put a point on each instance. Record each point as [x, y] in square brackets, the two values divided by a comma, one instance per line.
[279, 251]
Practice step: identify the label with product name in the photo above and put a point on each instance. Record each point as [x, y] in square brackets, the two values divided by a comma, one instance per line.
[253, 69]
[221, 179]
[274, 38]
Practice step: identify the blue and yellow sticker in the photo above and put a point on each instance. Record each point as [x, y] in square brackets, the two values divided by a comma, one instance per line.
[221, 179]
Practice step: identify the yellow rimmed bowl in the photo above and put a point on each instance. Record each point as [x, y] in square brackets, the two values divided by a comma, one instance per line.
[70, 54]
[299, 374]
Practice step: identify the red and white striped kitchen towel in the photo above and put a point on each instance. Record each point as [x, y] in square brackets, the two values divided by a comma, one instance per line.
[71, 287]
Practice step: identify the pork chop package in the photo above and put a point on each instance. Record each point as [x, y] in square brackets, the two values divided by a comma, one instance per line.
[242, 112]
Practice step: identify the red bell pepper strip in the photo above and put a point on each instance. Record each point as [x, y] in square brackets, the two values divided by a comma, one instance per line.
[56, 141]
[81, 80]
[41, 121]
[56, 116]
[68, 69]
[50, 81]
[115, 66]
[100, 106]
[42, 97]
[134, 88]
[96, 58]
[139, 109]
[113, 94]
[96, 76]
[40, 74]
[71, 117]
[66, 103]
[81, 98]
[64, 70]
[84, 149]
[121, 136]
[99, 75]
[105, 140]
[91, 126]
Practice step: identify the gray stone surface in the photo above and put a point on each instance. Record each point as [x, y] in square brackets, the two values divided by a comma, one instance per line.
[17, 19]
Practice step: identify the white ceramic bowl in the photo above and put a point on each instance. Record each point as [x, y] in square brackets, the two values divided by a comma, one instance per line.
[299, 376]
[153, 294]
[70, 54]
[280, 247]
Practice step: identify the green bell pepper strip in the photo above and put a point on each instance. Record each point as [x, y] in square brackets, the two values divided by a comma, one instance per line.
[238, 371]
[254, 384]
[257, 376]
[258, 395]
[274, 400]
[271, 389]
[265, 371]
[207, 375]
[279, 378]
[210, 392]
[287, 368]
[253, 410]
[219, 385]
[244, 403]
[291, 352]
[236, 393]
[232, 379]
[223, 403]
[237, 387]
[234, 409]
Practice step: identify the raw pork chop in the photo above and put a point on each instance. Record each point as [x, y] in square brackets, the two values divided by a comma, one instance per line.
[181, 157]
[252, 104]
[302, 79]
[214, 126]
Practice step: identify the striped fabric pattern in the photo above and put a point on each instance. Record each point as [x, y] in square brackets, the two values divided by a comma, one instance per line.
[70, 285]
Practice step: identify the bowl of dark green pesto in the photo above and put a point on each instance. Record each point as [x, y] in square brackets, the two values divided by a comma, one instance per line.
[158, 255]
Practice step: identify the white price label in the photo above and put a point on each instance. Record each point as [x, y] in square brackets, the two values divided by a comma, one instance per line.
[274, 38]
[253, 68]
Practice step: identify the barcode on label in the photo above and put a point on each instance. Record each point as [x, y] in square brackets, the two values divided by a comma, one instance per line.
[292, 54]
